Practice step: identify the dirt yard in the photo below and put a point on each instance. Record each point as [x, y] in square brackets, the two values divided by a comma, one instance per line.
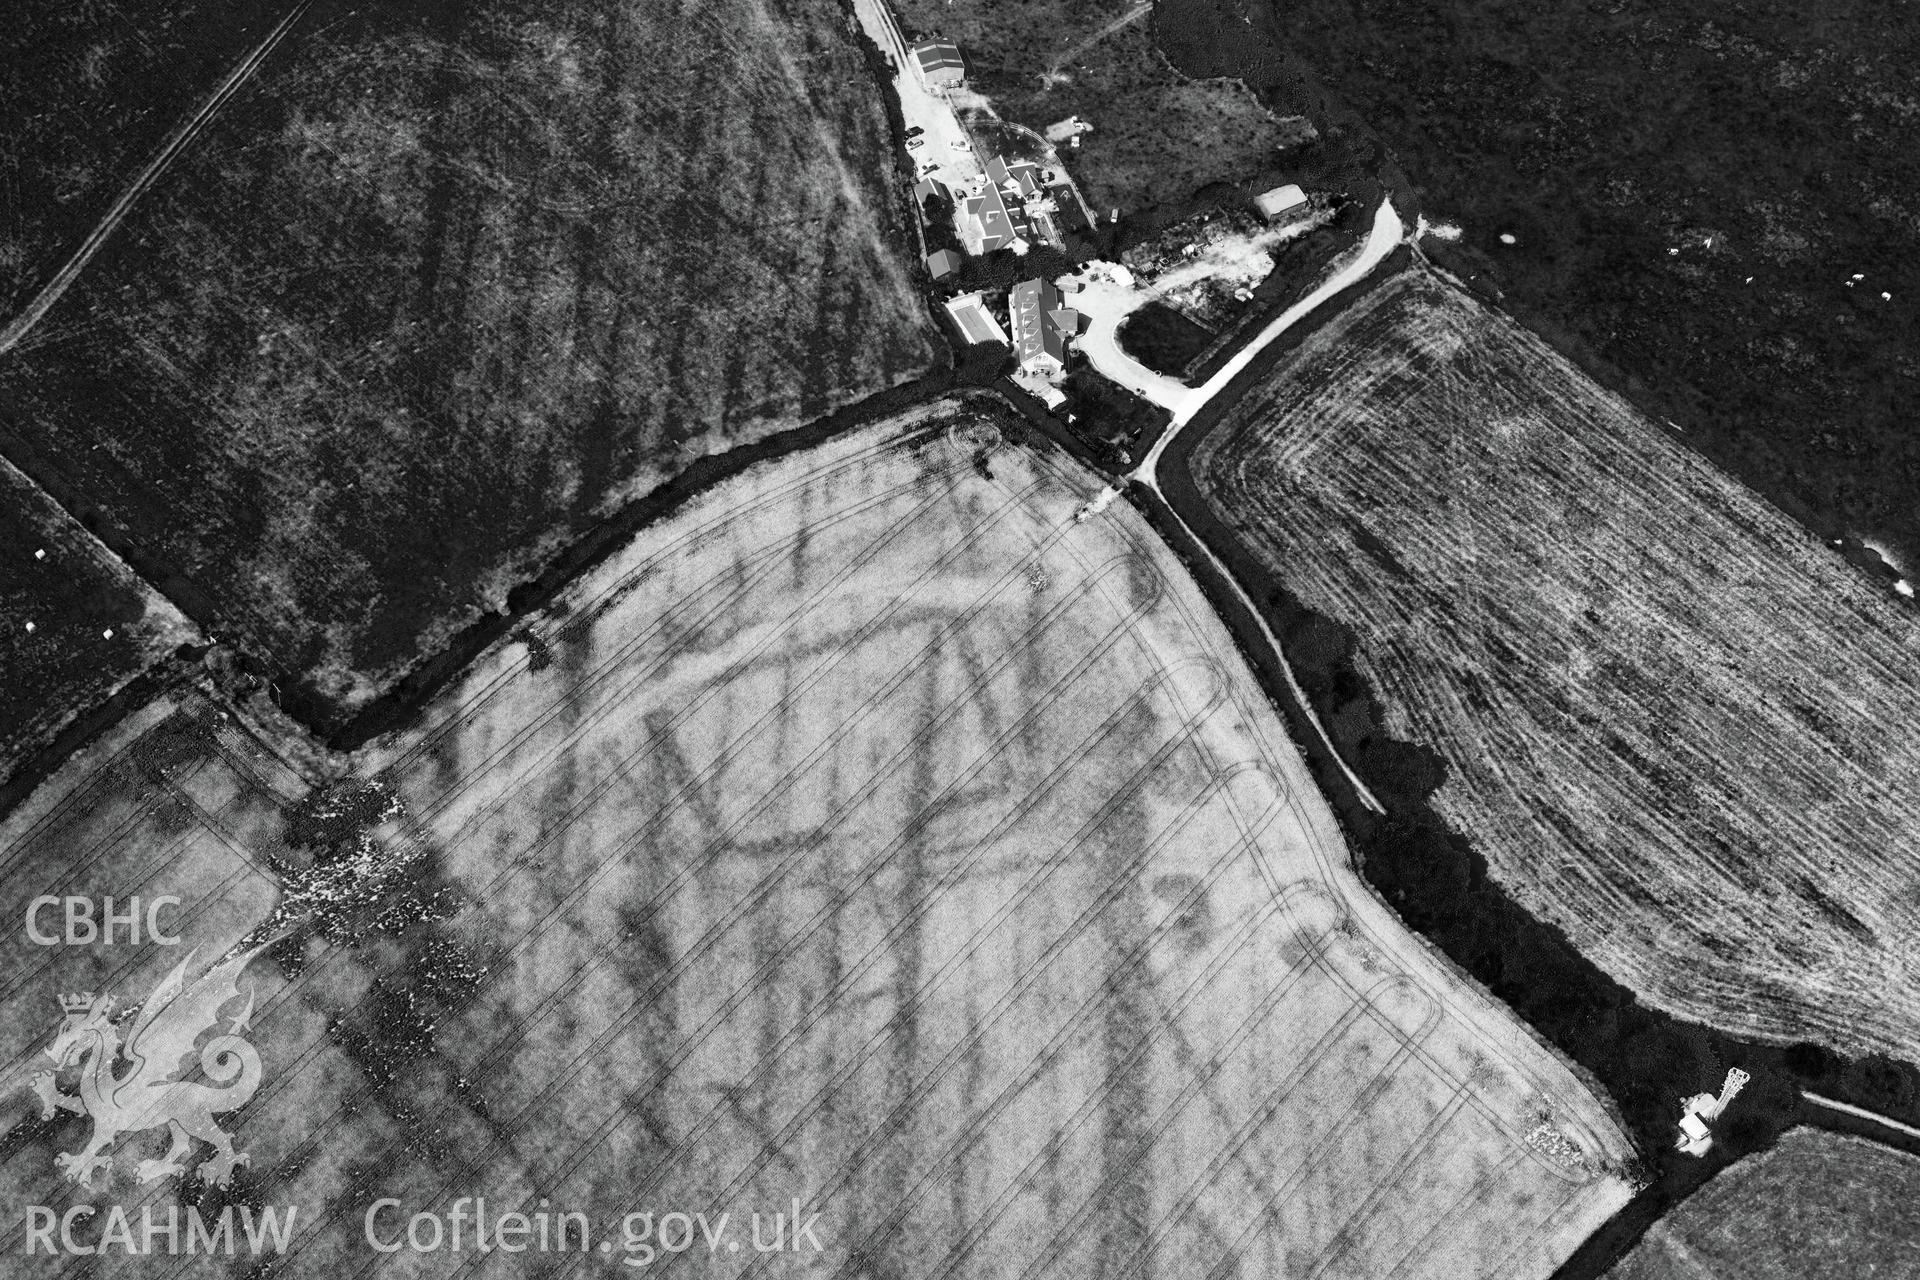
[1675, 726]
[441, 289]
[870, 834]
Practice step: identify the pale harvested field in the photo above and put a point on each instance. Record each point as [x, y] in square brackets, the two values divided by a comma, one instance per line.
[1674, 725]
[873, 834]
[1818, 1205]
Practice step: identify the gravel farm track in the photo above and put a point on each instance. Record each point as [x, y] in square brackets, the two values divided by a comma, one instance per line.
[438, 291]
[871, 832]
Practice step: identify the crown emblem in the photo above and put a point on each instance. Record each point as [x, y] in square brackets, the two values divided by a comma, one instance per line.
[151, 1092]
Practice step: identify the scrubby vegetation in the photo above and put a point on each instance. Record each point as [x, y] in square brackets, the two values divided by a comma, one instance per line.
[1160, 138]
[1691, 189]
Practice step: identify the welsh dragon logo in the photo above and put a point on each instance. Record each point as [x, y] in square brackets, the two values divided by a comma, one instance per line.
[150, 1092]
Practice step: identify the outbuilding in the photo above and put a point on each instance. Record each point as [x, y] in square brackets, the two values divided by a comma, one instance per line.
[1281, 203]
[939, 62]
[942, 263]
[971, 317]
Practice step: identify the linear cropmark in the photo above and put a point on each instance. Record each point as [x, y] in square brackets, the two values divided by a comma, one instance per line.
[871, 835]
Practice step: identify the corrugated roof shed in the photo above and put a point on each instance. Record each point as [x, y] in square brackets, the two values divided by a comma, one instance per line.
[939, 61]
[1280, 202]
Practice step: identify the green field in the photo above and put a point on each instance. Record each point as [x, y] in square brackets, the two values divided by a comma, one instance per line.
[442, 288]
[1818, 1205]
[871, 835]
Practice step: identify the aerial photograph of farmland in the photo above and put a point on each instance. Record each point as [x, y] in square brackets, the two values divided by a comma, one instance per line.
[949, 638]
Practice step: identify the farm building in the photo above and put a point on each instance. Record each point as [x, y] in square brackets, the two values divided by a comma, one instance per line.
[939, 62]
[1696, 1139]
[942, 263]
[1281, 203]
[987, 223]
[975, 323]
[1021, 178]
[1042, 323]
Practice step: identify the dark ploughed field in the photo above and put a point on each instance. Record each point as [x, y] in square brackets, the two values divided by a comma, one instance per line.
[439, 288]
